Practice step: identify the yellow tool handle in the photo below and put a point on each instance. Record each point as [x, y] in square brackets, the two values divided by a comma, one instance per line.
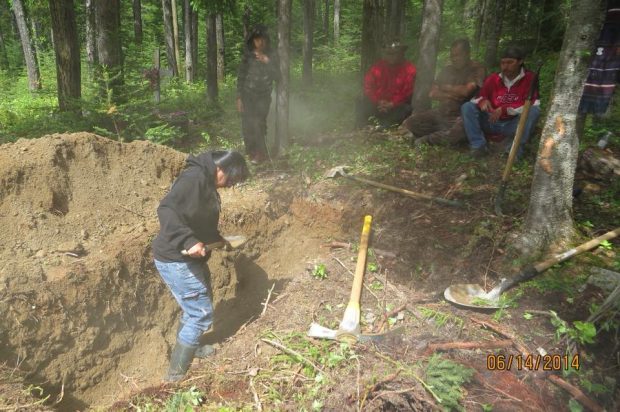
[358, 280]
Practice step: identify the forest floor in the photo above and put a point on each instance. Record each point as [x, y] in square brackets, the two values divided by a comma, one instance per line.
[89, 325]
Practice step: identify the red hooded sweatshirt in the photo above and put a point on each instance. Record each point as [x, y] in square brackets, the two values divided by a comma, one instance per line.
[510, 98]
[391, 83]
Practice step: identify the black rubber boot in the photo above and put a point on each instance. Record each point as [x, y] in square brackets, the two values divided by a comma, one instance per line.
[203, 351]
[180, 359]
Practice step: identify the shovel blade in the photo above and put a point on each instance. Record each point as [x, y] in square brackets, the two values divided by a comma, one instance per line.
[472, 296]
[318, 331]
[236, 241]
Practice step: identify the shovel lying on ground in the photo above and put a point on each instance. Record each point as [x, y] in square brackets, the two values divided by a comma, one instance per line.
[473, 296]
[340, 171]
[349, 329]
[234, 242]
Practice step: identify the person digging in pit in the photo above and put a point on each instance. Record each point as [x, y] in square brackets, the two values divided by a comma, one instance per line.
[388, 87]
[188, 218]
[258, 70]
[456, 83]
[495, 112]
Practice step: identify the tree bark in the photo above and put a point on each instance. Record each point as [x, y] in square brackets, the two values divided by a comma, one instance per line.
[482, 5]
[221, 47]
[67, 50]
[549, 218]
[175, 32]
[30, 55]
[166, 6]
[137, 21]
[372, 32]
[195, 41]
[429, 42]
[282, 88]
[109, 50]
[336, 22]
[326, 17]
[4, 58]
[247, 14]
[212, 88]
[91, 35]
[496, 18]
[308, 45]
[188, 17]
[395, 16]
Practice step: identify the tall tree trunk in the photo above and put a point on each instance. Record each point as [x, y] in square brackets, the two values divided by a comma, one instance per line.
[109, 50]
[482, 5]
[195, 40]
[396, 13]
[137, 20]
[221, 47]
[67, 49]
[372, 32]
[549, 217]
[30, 56]
[212, 89]
[91, 35]
[188, 14]
[494, 33]
[282, 89]
[166, 6]
[308, 45]
[326, 18]
[336, 22]
[175, 32]
[4, 58]
[429, 41]
[247, 14]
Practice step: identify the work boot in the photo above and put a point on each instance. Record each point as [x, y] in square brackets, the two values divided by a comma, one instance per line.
[180, 359]
[203, 351]
[479, 152]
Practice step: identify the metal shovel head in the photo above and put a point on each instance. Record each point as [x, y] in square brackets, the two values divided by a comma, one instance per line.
[336, 171]
[473, 296]
[236, 241]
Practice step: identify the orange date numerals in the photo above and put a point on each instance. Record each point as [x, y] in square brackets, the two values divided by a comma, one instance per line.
[533, 362]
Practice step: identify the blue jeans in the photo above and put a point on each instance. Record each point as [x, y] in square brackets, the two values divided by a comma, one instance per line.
[476, 123]
[189, 283]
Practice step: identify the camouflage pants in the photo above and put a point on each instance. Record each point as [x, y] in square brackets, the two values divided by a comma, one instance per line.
[437, 128]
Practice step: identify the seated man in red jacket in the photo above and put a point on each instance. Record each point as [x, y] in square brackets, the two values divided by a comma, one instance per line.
[388, 87]
[499, 104]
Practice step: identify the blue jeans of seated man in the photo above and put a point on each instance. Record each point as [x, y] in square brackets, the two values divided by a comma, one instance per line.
[476, 123]
[189, 283]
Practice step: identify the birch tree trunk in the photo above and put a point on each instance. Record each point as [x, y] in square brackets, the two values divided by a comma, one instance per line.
[372, 32]
[496, 18]
[221, 47]
[137, 20]
[30, 55]
[175, 32]
[549, 218]
[67, 50]
[91, 35]
[166, 6]
[109, 50]
[282, 88]
[336, 21]
[188, 17]
[212, 88]
[429, 41]
[308, 45]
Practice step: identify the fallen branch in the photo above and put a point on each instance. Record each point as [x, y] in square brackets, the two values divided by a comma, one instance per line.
[369, 391]
[266, 304]
[576, 393]
[259, 406]
[338, 245]
[388, 315]
[502, 332]
[293, 353]
[492, 344]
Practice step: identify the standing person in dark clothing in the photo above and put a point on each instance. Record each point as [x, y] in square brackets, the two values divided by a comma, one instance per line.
[188, 218]
[388, 87]
[456, 83]
[258, 70]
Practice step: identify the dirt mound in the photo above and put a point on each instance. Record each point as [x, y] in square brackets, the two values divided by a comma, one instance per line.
[85, 312]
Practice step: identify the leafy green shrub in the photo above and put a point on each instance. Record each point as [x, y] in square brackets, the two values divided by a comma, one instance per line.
[164, 134]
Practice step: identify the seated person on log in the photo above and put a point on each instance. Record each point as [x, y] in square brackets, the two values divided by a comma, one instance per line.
[495, 112]
[456, 83]
[388, 87]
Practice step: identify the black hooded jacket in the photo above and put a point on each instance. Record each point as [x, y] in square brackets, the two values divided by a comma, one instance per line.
[190, 212]
[255, 79]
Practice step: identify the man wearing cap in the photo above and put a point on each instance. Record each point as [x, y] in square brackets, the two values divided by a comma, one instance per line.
[456, 83]
[495, 112]
[388, 87]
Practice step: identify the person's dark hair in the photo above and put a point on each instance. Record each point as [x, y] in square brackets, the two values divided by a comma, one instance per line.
[513, 52]
[232, 164]
[462, 43]
[260, 30]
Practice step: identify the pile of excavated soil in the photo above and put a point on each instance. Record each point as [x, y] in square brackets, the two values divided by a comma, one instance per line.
[85, 313]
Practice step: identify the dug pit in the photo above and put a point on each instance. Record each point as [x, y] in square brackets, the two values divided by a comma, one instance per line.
[85, 314]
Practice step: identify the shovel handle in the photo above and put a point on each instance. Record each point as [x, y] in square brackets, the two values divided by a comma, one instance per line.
[358, 280]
